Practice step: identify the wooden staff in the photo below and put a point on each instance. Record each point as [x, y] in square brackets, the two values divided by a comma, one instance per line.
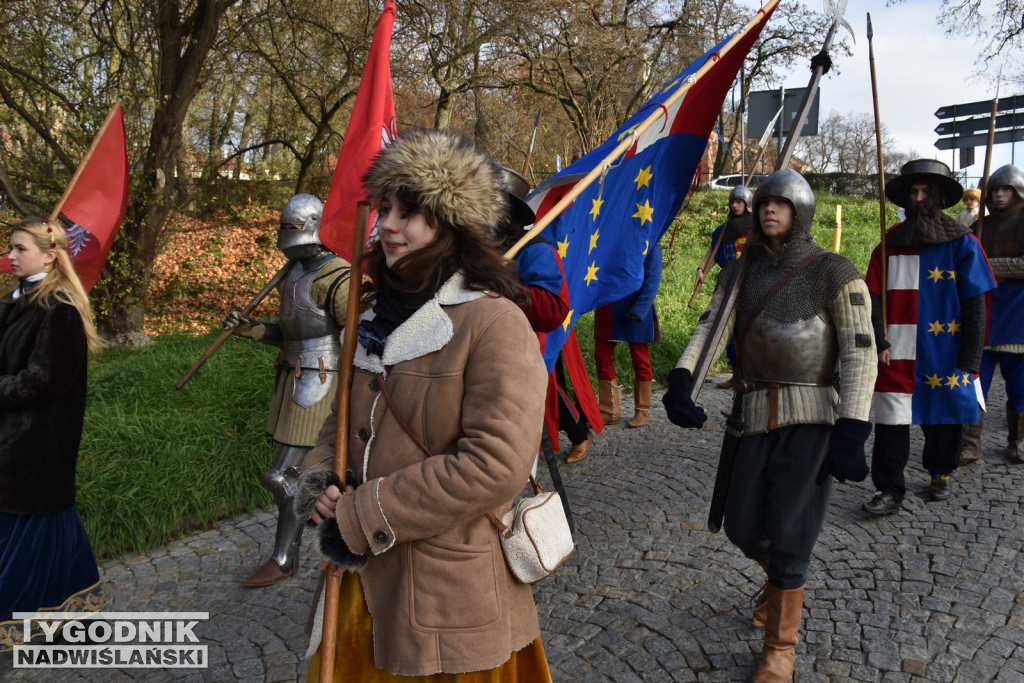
[837, 230]
[630, 140]
[85, 160]
[881, 183]
[705, 267]
[332, 586]
[988, 166]
[223, 336]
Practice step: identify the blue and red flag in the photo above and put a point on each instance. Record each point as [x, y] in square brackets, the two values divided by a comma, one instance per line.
[925, 285]
[604, 235]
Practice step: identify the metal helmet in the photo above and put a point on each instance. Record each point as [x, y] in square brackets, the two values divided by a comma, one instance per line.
[517, 187]
[792, 187]
[744, 193]
[1007, 176]
[299, 234]
[931, 171]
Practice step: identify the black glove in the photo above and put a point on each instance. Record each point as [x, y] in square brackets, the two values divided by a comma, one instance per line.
[334, 548]
[681, 410]
[845, 458]
[243, 326]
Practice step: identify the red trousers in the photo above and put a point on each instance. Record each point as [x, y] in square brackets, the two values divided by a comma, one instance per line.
[639, 352]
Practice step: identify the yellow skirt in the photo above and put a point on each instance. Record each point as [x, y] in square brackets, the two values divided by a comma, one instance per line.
[353, 653]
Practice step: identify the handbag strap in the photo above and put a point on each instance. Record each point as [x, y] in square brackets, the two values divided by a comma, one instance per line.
[391, 406]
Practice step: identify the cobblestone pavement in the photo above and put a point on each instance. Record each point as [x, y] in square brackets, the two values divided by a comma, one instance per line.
[935, 592]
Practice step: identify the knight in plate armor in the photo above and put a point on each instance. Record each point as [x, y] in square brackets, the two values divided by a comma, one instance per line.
[801, 315]
[314, 299]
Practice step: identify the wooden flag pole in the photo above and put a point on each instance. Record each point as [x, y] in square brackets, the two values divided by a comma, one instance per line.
[332, 585]
[884, 265]
[85, 160]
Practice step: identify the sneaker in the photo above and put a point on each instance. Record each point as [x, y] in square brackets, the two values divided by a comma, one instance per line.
[883, 503]
[939, 489]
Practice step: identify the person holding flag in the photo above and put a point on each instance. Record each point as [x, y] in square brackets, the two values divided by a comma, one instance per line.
[799, 310]
[931, 338]
[46, 336]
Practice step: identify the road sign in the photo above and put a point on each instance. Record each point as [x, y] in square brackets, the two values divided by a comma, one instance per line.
[980, 139]
[952, 111]
[763, 105]
[981, 123]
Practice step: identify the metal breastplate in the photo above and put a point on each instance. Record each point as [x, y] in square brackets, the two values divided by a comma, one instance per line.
[804, 352]
[311, 346]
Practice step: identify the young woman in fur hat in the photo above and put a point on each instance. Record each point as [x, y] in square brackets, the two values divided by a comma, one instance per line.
[427, 591]
[46, 334]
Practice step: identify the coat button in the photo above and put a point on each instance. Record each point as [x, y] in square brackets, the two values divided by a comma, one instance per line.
[363, 434]
[374, 385]
[379, 537]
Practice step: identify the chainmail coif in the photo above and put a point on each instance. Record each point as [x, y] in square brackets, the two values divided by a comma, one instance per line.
[813, 289]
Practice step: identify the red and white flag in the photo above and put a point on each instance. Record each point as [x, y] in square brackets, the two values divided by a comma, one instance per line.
[95, 200]
[371, 127]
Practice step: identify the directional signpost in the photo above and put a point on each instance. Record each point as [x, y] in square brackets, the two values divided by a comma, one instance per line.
[967, 125]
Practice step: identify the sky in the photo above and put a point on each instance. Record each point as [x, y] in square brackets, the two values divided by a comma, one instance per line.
[919, 69]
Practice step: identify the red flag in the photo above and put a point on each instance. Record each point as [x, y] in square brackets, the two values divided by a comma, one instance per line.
[95, 200]
[371, 127]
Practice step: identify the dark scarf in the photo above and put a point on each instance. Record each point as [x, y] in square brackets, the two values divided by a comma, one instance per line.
[737, 226]
[925, 224]
[391, 309]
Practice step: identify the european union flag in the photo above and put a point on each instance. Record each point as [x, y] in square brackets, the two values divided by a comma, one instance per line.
[604, 235]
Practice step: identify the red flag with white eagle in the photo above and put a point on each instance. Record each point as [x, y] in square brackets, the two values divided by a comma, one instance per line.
[371, 127]
[95, 200]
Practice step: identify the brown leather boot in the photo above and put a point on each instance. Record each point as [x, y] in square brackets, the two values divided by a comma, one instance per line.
[579, 451]
[642, 404]
[971, 449]
[785, 610]
[760, 600]
[1014, 431]
[608, 401]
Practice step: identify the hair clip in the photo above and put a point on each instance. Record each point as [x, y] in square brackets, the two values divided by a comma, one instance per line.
[53, 241]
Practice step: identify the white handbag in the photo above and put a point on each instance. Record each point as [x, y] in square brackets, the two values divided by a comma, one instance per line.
[534, 535]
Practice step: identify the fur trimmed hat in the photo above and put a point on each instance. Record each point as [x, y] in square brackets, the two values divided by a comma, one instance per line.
[972, 193]
[447, 174]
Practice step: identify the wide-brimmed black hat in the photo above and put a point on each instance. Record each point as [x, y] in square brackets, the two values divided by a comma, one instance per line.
[924, 171]
[517, 188]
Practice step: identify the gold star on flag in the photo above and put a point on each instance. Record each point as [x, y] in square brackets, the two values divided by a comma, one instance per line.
[953, 381]
[591, 273]
[644, 212]
[936, 328]
[563, 247]
[568, 320]
[647, 245]
[954, 327]
[935, 274]
[967, 379]
[643, 178]
[933, 381]
[593, 240]
[595, 209]
[952, 274]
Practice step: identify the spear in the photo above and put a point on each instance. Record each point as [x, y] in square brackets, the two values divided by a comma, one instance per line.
[533, 138]
[346, 369]
[881, 181]
[819, 65]
[988, 164]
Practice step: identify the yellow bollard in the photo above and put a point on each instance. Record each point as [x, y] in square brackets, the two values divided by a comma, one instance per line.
[837, 232]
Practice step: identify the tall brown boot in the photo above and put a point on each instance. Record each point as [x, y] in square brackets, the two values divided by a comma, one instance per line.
[785, 610]
[642, 404]
[608, 401]
[971, 449]
[1014, 431]
[760, 600]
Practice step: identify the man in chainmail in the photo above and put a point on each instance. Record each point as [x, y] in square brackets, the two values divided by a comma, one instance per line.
[1002, 236]
[799, 312]
[931, 337]
[729, 238]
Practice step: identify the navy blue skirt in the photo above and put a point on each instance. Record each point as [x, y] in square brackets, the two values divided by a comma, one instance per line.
[46, 564]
